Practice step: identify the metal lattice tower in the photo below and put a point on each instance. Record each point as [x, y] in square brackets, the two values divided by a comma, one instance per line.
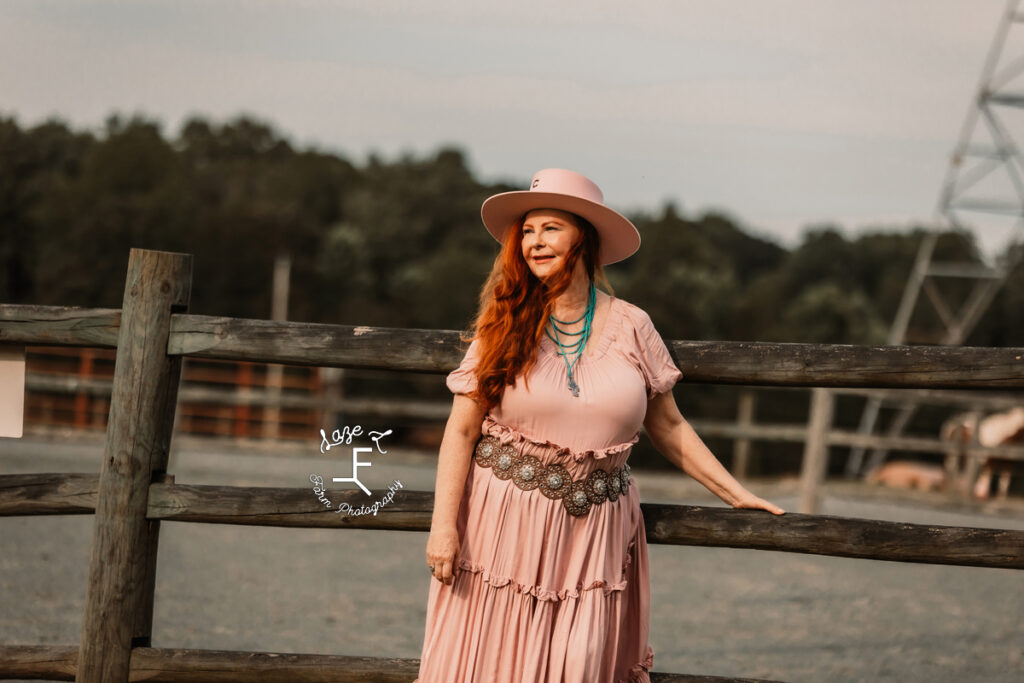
[984, 188]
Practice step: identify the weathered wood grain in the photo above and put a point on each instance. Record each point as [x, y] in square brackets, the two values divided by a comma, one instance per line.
[375, 348]
[165, 665]
[287, 507]
[38, 662]
[222, 666]
[753, 363]
[836, 536]
[122, 562]
[840, 365]
[59, 325]
[48, 494]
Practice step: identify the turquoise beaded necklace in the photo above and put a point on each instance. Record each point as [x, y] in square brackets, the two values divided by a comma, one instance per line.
[573, 349]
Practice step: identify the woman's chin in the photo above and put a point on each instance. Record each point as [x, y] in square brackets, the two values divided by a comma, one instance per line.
[544, 270]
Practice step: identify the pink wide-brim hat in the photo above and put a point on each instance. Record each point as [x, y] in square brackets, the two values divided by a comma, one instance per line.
[557, 188]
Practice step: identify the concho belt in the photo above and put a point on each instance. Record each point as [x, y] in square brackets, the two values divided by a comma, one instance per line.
[527, 472]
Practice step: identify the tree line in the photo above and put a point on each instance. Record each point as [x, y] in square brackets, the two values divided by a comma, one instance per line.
[399, 242]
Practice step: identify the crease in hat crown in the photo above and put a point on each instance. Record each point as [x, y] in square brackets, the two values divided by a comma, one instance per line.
[565, 190]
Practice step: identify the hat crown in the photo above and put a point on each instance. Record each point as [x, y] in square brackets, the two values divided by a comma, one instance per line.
[564, 190]
[562, 181]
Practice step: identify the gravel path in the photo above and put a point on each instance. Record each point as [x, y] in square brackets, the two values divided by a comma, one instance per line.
[714, 611]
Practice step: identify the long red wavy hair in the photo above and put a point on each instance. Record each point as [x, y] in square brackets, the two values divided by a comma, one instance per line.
[515, 305]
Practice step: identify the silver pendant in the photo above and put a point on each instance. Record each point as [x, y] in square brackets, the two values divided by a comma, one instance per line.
[573, 387]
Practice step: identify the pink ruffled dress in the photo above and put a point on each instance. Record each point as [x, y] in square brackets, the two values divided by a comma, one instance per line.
[543, 595]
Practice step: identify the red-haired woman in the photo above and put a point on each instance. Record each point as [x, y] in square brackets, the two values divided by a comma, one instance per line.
[537, 543]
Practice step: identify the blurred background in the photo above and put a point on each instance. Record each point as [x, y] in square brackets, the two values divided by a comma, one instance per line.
[782, 162]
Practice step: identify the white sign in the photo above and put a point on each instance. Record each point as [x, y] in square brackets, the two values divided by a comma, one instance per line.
[12, 390]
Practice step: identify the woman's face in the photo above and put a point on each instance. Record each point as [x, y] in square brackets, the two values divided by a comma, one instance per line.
[548, 235]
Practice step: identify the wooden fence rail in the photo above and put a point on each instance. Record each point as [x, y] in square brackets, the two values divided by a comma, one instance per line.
[438, 351]
[133, 493]
[163, 665]
[59, 494]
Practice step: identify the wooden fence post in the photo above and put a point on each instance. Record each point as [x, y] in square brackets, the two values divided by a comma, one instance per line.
[122, 563]
[972, 463]
[242, 413]
[271, 414]
[741, 446]
[83, 401]
[815, 463]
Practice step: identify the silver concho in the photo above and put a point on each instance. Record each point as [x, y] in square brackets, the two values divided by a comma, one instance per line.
[577, 502]
[555, 481]
[485, 450]
[505, 462]
[528, 473]
[596, 486]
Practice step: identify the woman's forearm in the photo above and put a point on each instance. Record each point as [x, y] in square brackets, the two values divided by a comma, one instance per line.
[700, 463]
[453, 463]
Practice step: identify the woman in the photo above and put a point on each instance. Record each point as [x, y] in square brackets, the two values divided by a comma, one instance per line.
[537, 546]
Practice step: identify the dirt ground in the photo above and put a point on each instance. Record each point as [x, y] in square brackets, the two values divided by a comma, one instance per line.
[714, 611]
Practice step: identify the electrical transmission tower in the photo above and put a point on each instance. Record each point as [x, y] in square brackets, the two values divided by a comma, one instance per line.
[985, 182]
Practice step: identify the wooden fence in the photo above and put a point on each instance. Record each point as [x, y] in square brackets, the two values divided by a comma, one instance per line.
[818, 434]
[133, 492]
[71, 388]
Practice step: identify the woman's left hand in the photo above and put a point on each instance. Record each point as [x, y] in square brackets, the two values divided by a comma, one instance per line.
[749, 501]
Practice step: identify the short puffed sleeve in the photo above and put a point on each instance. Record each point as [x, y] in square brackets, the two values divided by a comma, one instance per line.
[462, 380]
[659, 370]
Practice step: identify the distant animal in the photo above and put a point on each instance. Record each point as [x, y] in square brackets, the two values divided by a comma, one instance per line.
[999, 429]
[958, 432]
[1002, 429]
[906, 474]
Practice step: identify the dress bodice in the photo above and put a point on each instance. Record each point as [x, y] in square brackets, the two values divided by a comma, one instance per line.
[628, 365]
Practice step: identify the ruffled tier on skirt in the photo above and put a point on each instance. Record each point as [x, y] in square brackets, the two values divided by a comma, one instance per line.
[541, 595]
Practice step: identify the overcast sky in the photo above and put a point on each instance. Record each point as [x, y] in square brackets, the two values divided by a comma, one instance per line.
[781, 113]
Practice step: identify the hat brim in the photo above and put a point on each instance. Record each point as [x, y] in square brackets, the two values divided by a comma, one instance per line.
[619, 237]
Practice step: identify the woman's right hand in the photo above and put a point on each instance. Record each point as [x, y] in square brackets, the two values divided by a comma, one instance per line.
[443, 553]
